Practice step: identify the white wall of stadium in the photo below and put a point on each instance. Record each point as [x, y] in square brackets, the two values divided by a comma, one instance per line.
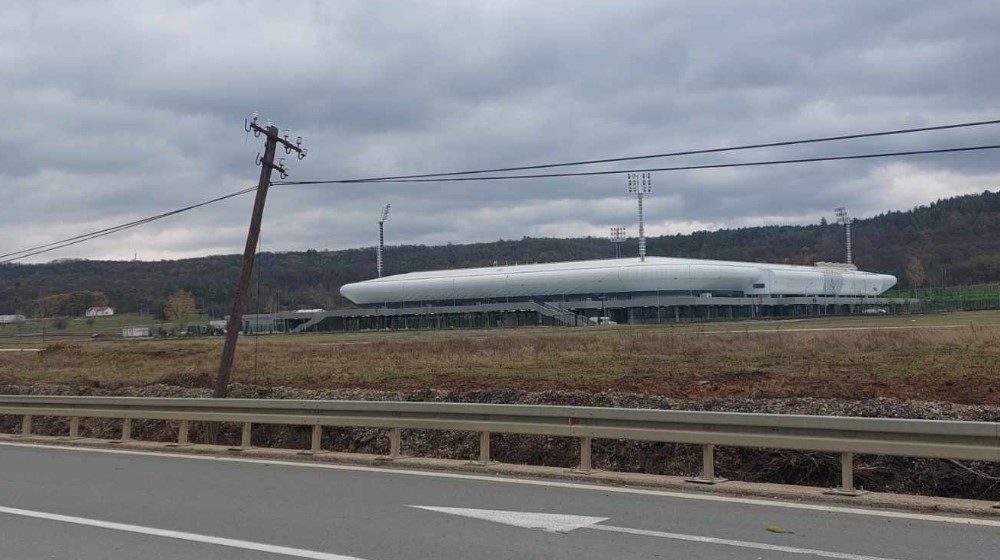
[627, 275]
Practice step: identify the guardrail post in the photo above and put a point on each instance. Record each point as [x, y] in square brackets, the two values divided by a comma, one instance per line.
[707, 467]
[74, 427]
[315, 444]
[245, 435]
[317, 439]
[585, 463]
[394, 442]
[846, 477]
[182, 434]
[395, 435]
[26, 425]
[126, 431]
[484, 451]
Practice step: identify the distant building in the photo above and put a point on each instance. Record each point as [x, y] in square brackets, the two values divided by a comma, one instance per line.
[135, 332]
[100, 312]
[10, 319]
[568, 282]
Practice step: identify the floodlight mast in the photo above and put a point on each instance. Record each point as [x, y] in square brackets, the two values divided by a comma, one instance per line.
[845, 220]
[640, 184]
[617, 237]
[380, 250]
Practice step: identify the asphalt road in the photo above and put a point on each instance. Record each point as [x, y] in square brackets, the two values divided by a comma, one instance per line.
[84, 505]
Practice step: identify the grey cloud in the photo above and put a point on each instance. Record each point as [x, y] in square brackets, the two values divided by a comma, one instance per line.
[119, 110]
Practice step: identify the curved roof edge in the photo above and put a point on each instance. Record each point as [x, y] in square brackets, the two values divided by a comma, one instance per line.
[617, 275]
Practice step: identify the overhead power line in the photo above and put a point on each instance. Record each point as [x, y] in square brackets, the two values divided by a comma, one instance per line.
[455, 176]
[653, 169]
[671, 154]
[39, 249]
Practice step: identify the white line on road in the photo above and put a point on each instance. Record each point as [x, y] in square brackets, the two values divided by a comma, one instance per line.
[563, 523]
[20, 349]
[180, 535]
[500, 479]
[740, 544]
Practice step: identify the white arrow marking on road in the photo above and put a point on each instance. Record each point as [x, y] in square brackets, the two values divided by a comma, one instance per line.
[561, 523]
[551, 522]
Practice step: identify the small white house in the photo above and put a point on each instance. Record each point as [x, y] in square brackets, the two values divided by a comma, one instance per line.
[10, 319]
[100, 312]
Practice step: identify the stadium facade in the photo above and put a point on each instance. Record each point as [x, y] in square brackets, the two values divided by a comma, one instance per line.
[627, 290]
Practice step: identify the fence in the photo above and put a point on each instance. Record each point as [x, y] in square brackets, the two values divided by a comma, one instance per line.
[974, 297]
[847, 436]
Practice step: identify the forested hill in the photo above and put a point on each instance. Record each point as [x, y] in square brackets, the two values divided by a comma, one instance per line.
[959, 235]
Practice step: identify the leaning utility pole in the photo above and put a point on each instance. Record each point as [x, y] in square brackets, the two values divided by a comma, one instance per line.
[267, 165]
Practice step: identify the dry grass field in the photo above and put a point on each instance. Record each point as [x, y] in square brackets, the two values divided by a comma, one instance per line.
[952, 358]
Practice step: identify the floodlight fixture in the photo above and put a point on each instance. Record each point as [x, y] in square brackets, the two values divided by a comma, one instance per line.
[844, 219]
[617, 236]
[380, 249]
[640, 184]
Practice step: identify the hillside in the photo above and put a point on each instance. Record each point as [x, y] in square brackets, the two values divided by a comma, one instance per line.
[954, 239]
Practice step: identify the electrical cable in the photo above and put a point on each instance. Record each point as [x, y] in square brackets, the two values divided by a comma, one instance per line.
[654, 169]
[39, 249]
[671, 154]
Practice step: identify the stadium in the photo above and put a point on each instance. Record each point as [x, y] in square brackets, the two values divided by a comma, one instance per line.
[625, 290]
[617, 278]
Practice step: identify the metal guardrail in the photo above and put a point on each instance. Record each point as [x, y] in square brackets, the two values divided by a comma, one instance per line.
[847, 436]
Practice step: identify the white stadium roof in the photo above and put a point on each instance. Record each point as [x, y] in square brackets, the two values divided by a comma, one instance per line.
[655, 274]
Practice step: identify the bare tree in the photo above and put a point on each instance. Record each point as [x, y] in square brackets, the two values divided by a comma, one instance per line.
[179, 307]
[915, 273]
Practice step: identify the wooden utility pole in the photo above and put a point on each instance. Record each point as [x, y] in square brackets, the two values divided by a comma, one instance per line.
[235, 324]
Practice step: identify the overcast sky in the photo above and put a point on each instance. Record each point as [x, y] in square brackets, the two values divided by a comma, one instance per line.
[117, 110]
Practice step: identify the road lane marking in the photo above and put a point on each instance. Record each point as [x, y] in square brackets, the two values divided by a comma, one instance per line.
[739, 544]
[563, 523]
[179, 535]
[505, 479]
[548, 522]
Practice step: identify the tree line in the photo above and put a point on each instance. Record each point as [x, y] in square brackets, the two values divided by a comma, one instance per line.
[949, 242]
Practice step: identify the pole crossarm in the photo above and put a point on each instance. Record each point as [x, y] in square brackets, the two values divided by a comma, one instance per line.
[271, 133]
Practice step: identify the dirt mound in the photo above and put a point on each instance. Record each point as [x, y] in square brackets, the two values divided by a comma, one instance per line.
[188, 380]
